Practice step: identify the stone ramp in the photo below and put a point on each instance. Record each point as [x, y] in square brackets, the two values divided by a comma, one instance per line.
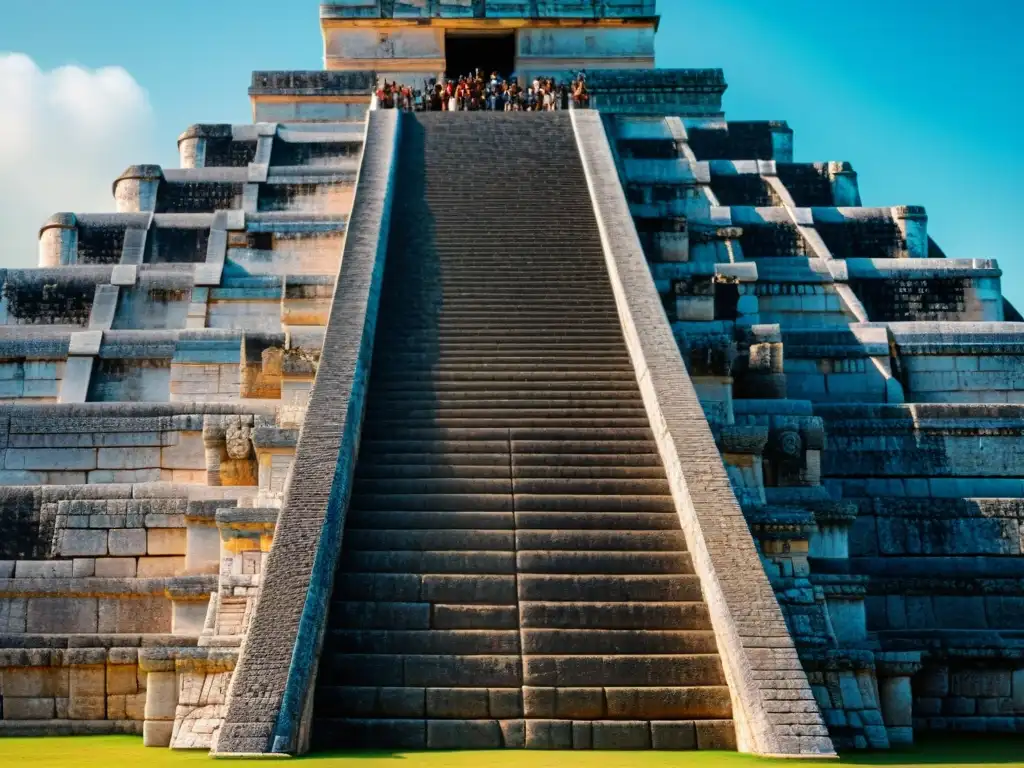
[277, 664]
[513, 571]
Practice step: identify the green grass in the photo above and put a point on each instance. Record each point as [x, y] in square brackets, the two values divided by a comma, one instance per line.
[110, 751]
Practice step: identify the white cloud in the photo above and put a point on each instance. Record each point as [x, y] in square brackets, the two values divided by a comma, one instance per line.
[65, 135]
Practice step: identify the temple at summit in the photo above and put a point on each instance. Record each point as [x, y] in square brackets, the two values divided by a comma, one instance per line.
[299, 451]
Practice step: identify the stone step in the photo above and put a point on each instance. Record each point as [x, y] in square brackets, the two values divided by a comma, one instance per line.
[604, 614]
[365, 701]
[601, 486]
[616, 588]
[406, 466]
[427, 485]
[548, 464]
[436, 562]
[639, 702]
[398, 427]
[529, 522]
[623, 670]
[434, 502]
[465, 539]
[606, 642]
[541, 733]
[473, 642]
[371, 614]
[595, 470]
[526, 502]
[634, 539]
[603, 562]
[423, 670]
[446, 405]
[475, 616]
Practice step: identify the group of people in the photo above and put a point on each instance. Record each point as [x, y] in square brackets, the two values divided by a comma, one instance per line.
[476, 92]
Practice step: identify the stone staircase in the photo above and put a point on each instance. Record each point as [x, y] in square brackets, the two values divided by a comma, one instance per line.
[513, 571]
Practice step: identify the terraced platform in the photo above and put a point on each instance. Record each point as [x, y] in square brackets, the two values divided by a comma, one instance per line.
[513, 571]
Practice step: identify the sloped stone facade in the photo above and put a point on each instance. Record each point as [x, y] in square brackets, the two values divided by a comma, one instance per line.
[182, 384]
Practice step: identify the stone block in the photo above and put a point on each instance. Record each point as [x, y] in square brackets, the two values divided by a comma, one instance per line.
[548, 734]
[7, 569]
[135, 706]
[128, 458]
[115, 567]
[44, 569]
[35, 682]
[188, 616]
[122, 679]
[974, 683]
[582, 734]
[1017, 684]
[129, 615]
[16, 708]
[161, 696]
[123, 274]
[663, 703]
[513, 733]
[61, 615]
[13, 614]
[127, 542]
[960, 706]
[87, 708]
[673, 735]
[463, 734]
[538, 702]
[579, 703]
[202, 548]
[932, 681]
[83, 567]
[463, 703]
[716, 734]
[82, 542]
[157, 733]
[505, 703]
[85, 343]
[166, 541]
[87, 681]
[116, 707]
[160, 567]
[402, 702]
[621, 735]
[187, 452]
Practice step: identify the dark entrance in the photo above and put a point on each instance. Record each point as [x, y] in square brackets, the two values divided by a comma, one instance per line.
[465, 53]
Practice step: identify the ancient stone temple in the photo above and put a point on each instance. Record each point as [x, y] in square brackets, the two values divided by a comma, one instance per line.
[652, 439]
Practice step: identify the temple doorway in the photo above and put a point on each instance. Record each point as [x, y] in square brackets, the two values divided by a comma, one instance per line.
[467, 52]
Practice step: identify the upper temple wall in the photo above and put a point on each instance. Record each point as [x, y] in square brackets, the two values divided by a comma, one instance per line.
[408, 39]
[488, 9]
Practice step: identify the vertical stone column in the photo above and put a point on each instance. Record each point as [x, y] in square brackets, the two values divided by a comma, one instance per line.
[912, 221]
[58, 240]
[104, 307]
[782, 141]
[83, 348]
[136, 189]
[193, 142]
[845, 190]
[87, 694]
[161, 699]
[895, 691]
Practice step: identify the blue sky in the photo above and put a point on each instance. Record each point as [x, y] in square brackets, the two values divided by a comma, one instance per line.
[922, 96]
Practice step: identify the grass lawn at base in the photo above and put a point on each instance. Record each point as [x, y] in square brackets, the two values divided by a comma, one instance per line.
[976, 750]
